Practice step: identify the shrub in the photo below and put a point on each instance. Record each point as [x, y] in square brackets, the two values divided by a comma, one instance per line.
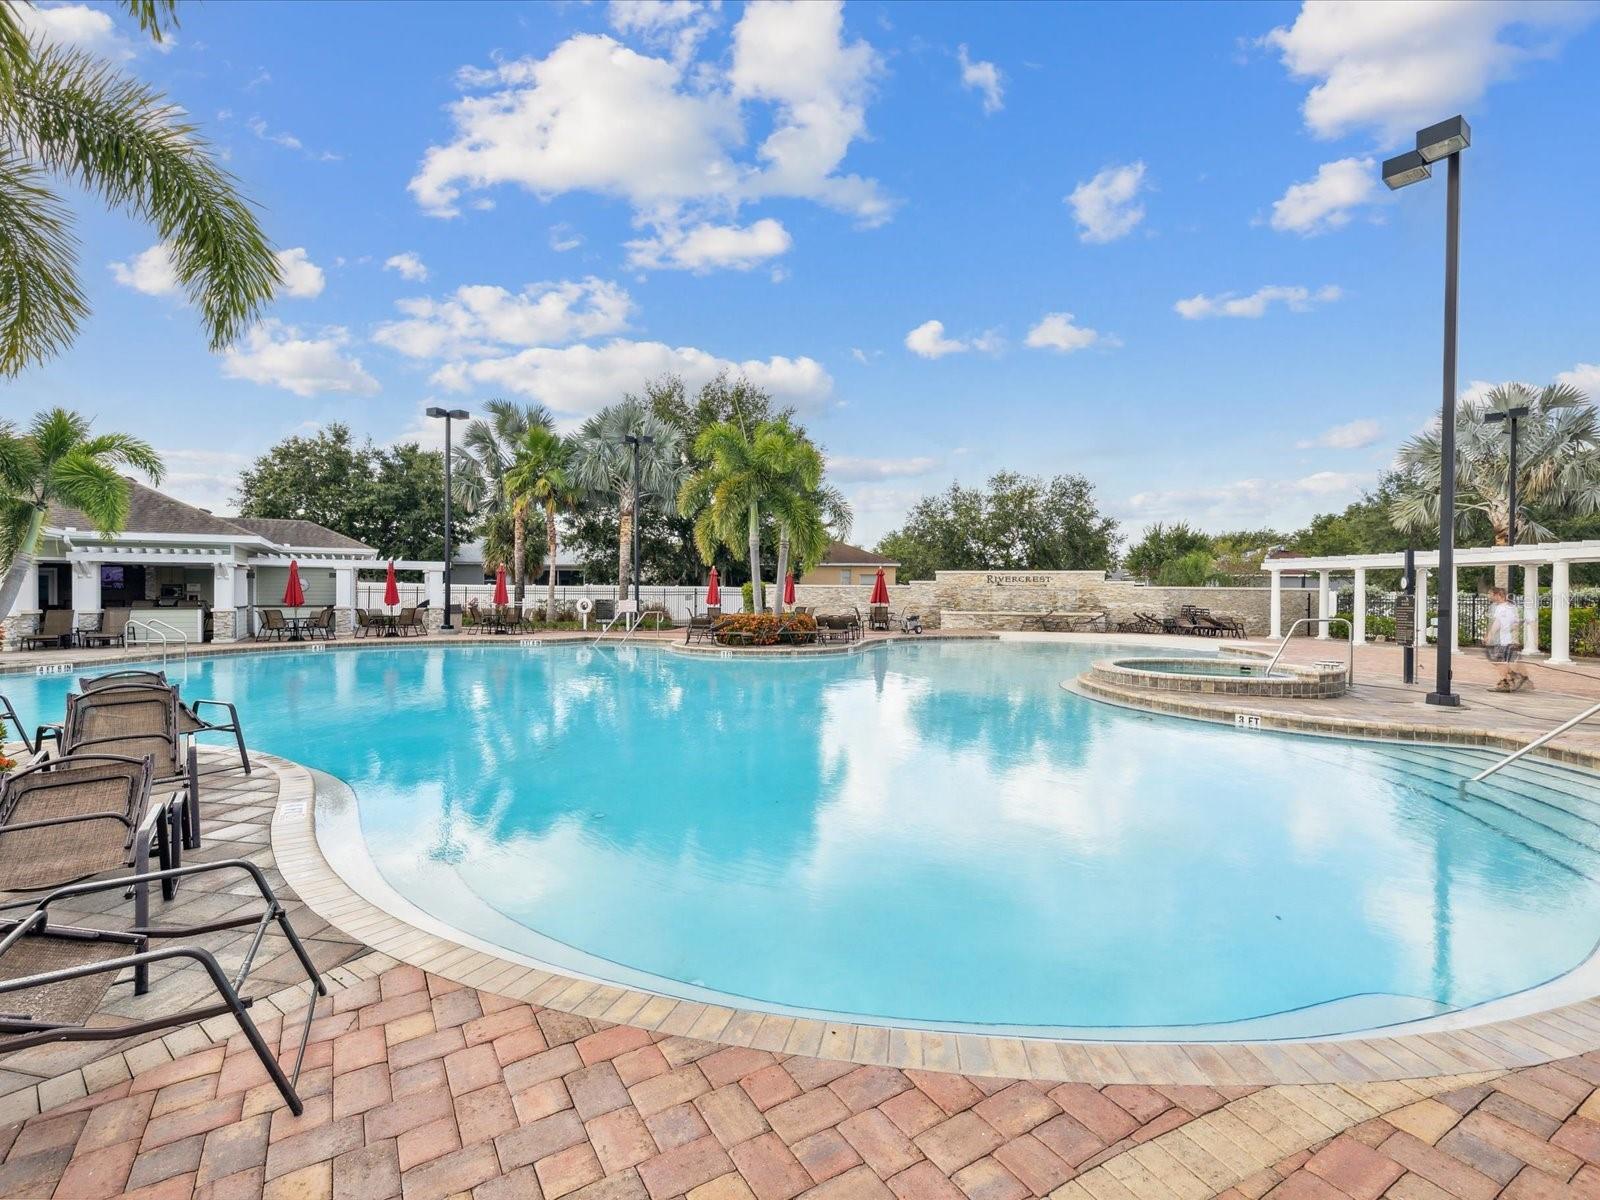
[1583, 630]
[660, 618]
[748, 591]
[764, 629]
[1380, 627]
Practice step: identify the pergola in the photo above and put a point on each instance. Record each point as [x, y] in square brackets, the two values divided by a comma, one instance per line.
[1531, 557]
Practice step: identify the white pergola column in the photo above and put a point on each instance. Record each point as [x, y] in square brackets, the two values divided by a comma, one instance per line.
[1530, 608]
[1422, 608]
[1560, 618]
[1275, 610]
[230, 602]
[85, 593]
[1358, 616]
[1324, 602]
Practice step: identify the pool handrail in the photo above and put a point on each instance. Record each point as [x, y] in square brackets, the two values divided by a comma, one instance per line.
[158, 627]
[1350, 632]
[1530, 747]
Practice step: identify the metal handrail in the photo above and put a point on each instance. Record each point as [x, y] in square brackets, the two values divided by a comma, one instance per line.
[1350, 632]
[150, 623]
[1533, 745]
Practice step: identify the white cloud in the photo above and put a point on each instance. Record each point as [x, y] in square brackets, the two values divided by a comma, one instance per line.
[205, 478]
[1106, 206]
[302, 278]
[279, 355]
[677, 26]
[1229, 304]
[576, 381]
[409, 265]
[81, 27]
[563, 238]
[480, 320]
[1395, 68]
[928, 341]
[1324, 203]
[984, 77]
[1278, 502]
[1585, 377]
[668, 134]
[1055, 331]
[707, 247]
[150, 271]
[1354, 435]
[287, 140]
[849, 469]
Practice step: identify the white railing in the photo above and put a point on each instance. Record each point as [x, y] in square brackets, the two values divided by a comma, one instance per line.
[1541, 740]
[681, 601]
[1350, 632]
[159, 628]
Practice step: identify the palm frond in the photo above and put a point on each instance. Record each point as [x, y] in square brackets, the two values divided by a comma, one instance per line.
[155, 17]
[93, 488]
[126, 450]
[41, 302]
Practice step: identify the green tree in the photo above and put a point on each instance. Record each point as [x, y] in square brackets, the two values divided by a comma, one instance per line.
[1363, 527]
[1019, 522]
[67, 116]
[541, 474]
[478, 470]
[1193, 569]
[809, 512]
[1161, 544]
[743, 469]
[603, 463]
[59, 461]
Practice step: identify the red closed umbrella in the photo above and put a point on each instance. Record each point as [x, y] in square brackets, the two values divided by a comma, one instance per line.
[293, 594]
[391, 588]
[880, 589]
[788, 588]
[713, 591]
[501, 598]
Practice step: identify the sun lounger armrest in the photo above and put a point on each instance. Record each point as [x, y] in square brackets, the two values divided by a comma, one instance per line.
[72, 890]
[233, 712]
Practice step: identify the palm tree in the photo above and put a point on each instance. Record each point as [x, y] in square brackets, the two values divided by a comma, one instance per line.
[1558, 463]
[603, 463]
[809, 512]
[67, 116]
[57, 461]
[487, 450]
[541, 473]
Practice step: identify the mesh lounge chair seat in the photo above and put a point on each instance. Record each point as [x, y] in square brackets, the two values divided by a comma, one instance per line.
[55, 630]
[113, 630]
[54, 979]
[190, 712]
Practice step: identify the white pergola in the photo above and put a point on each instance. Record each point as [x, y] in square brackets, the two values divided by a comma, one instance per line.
[1531, 557]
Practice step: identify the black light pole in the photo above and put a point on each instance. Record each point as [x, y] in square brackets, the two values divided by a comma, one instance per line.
[449, 414]
[1510, 416]
[635, 440]
[1445, 140]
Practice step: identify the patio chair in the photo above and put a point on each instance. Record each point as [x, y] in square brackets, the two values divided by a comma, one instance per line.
[409, 621]
[135, 720]
[54, 978]
[325, 625]
[272, 625]
[1223, 626]
[55, 630]
[698, 628]
[1085, 622]
[65, 819]
[190, 720]
[9, 714]
[112, 630]
[1184, 623]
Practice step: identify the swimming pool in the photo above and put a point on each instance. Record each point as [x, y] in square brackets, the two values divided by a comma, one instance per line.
[927, 833]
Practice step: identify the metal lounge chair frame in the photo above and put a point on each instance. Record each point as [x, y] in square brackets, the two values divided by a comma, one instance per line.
[113, 629]
[141, 824]
[8, 713]
[190, 720]
[55, 628]
[19, 1031]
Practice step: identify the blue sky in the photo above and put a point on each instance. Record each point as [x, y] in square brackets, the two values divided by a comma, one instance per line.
[1143, 242]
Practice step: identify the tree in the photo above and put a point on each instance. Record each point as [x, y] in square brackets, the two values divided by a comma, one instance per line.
[1192, 569]
[741, 472]
[1161, 544]
[1558, 464]
[58, 461]
[1364, 527]
[541, 474]
[603, 463]
[809, 513]
[1021, 522]
[480, 464]
[65, 115]
[391, 498]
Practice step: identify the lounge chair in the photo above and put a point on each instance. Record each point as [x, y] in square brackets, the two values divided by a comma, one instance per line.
[190, 720]
[879, 616]
[65, 819]
[699, 628]
[135, 720]
[55, 630]
[1229, 627]
[112, 630]
[53, 979]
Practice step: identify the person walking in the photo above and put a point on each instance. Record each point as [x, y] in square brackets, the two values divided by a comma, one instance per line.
[1500, 641]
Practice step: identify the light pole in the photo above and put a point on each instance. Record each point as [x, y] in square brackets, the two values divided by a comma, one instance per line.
[1445, 140]
[449, 414]
[634, 441]
[1510, 416]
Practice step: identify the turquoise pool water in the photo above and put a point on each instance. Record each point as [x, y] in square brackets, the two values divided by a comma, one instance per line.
[1226, 668]
[933, 832]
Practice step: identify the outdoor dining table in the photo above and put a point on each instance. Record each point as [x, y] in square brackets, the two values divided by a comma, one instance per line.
[298, 626]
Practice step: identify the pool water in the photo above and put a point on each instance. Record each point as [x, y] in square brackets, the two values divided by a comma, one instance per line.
[931, 832]
[1226, 668]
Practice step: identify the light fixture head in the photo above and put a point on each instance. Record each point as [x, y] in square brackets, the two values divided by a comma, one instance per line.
[1444, 139]
[437, 412]
[1404, 169]
[460, 414]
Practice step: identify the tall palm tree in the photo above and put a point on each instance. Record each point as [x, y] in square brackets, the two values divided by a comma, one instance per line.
[479, 465]
[58, 461]
[67, 116]
[541, 474]
[809, 512]
[1558, 463]
[603, 464]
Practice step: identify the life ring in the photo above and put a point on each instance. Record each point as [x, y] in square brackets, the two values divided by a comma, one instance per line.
[585, 606]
